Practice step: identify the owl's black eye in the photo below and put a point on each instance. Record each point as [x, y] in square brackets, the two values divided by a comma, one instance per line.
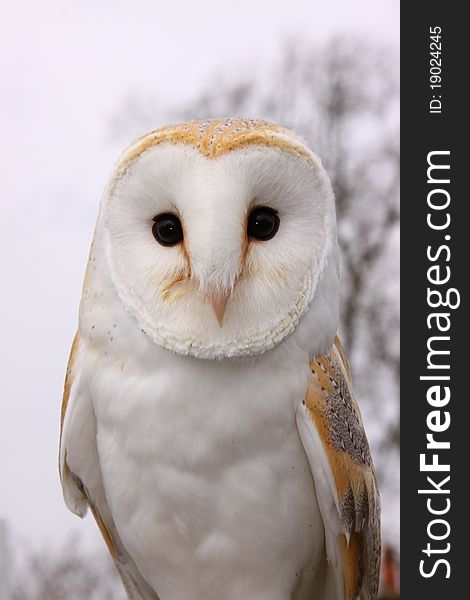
[263, 223]
[167, 229]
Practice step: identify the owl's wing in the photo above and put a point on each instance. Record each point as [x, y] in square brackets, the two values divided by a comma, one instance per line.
[332, 432]
[80, 471]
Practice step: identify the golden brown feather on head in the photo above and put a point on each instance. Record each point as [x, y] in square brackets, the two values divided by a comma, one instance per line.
[216, 137]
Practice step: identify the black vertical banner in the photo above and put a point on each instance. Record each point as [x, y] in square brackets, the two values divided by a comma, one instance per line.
[435, 259]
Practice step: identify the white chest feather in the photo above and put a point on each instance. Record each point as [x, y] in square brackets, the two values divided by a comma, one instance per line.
[206, 476]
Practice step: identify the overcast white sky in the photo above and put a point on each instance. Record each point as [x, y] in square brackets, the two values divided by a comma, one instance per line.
[66, 69]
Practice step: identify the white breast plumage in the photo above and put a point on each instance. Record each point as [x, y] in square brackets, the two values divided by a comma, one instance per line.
[194, 464]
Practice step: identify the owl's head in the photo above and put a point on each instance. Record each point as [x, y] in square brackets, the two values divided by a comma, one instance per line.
[219, 235]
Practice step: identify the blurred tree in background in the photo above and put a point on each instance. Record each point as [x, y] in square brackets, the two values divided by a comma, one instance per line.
[70, 574]
[343, 98]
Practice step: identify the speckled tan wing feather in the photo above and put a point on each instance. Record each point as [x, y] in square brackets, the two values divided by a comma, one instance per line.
[78, 441]
[73, 492]
[333, 435]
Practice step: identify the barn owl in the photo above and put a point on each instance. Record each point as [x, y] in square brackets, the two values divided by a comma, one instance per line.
[208, 419]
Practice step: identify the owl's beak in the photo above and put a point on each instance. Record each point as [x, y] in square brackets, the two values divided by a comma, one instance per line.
[219, 304]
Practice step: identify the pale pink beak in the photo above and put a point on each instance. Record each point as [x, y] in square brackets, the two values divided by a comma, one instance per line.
[219, 304]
